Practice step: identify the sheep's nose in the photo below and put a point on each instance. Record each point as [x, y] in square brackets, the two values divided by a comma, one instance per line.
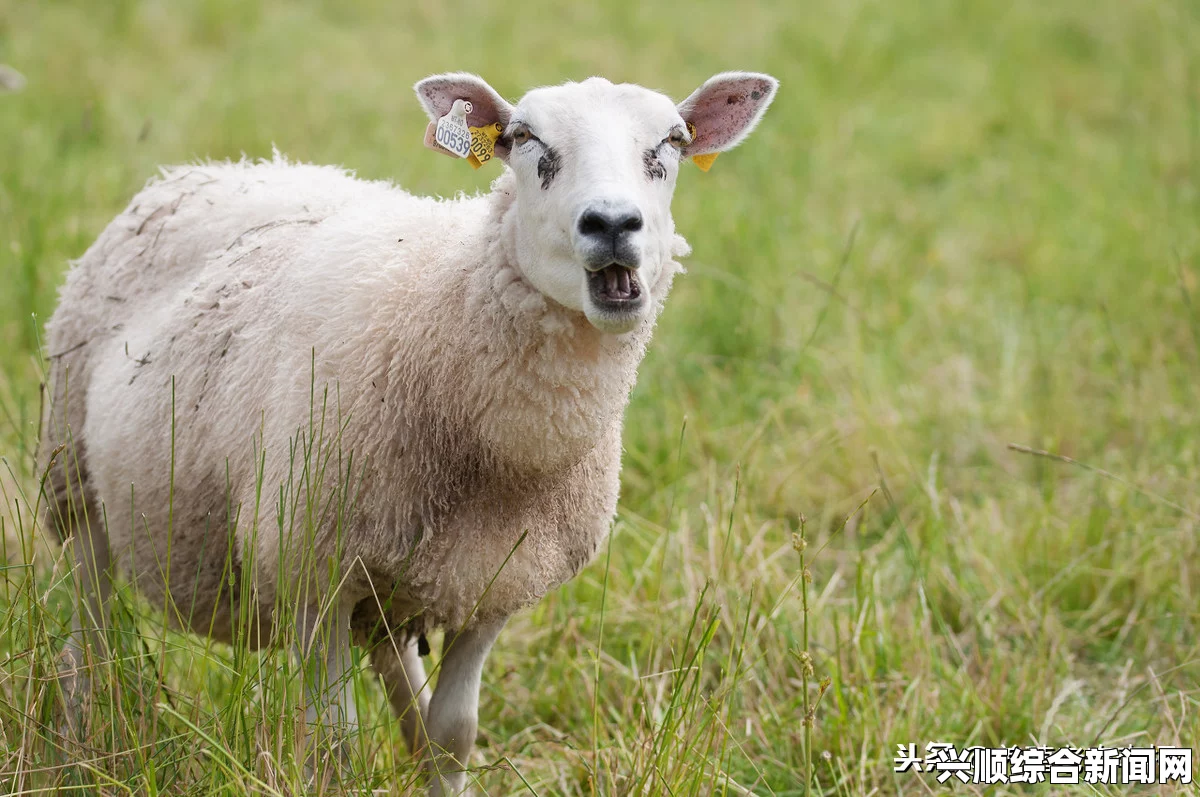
[610, 223]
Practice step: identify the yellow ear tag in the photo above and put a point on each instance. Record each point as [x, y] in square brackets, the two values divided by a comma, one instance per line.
[483, 144]
[704, 162]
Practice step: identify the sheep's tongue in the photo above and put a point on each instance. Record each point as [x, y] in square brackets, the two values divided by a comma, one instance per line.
[618, 283]
[623, 283]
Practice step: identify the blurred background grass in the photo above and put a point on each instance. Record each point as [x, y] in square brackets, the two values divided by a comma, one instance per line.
[960, 225]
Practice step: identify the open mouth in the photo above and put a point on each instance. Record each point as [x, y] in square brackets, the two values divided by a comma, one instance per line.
[614, 286]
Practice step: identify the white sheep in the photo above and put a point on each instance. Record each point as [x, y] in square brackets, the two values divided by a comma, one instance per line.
[473, 356]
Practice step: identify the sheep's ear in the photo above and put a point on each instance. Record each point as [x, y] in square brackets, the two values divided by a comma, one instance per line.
[438, 93]
[723, 111]
[489, 111]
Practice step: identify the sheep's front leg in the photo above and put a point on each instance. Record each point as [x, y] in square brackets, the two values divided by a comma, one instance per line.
[404, 680]
[328, 675]
[454, 710]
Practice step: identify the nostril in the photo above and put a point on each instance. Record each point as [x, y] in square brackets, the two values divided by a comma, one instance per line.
[632, 222]
[593, 223]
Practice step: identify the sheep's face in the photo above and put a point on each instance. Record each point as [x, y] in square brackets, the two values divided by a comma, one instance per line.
[595, 167]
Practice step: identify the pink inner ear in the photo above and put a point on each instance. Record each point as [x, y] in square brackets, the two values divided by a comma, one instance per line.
[438, 95]
[725, 111]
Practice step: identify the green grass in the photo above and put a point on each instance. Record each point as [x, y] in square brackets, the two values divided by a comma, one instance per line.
[961, 225]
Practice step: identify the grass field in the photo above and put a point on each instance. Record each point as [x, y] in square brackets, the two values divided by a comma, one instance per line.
[960, 226]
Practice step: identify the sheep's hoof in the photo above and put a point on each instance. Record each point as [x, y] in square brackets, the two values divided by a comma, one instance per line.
[448, 783]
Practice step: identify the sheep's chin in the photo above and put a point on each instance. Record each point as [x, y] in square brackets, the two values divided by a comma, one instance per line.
[613, 322]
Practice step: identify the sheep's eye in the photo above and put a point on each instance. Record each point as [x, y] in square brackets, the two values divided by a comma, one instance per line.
[677, 139]
[520, 135]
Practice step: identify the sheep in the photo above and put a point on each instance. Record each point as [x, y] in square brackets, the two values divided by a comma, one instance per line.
[480, 352]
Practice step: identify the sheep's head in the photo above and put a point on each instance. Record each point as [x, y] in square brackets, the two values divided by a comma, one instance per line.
[595, 167]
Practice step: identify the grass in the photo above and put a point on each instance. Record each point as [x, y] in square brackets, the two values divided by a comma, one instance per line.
[960, 226]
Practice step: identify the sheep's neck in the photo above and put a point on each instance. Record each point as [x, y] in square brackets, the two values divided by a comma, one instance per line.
[552, 385]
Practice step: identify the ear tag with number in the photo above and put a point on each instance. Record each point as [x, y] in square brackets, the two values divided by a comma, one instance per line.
[483, 144]
[451, 133]
[705, 162]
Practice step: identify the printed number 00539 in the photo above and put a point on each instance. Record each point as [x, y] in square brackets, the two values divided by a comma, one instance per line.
[452, 139]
